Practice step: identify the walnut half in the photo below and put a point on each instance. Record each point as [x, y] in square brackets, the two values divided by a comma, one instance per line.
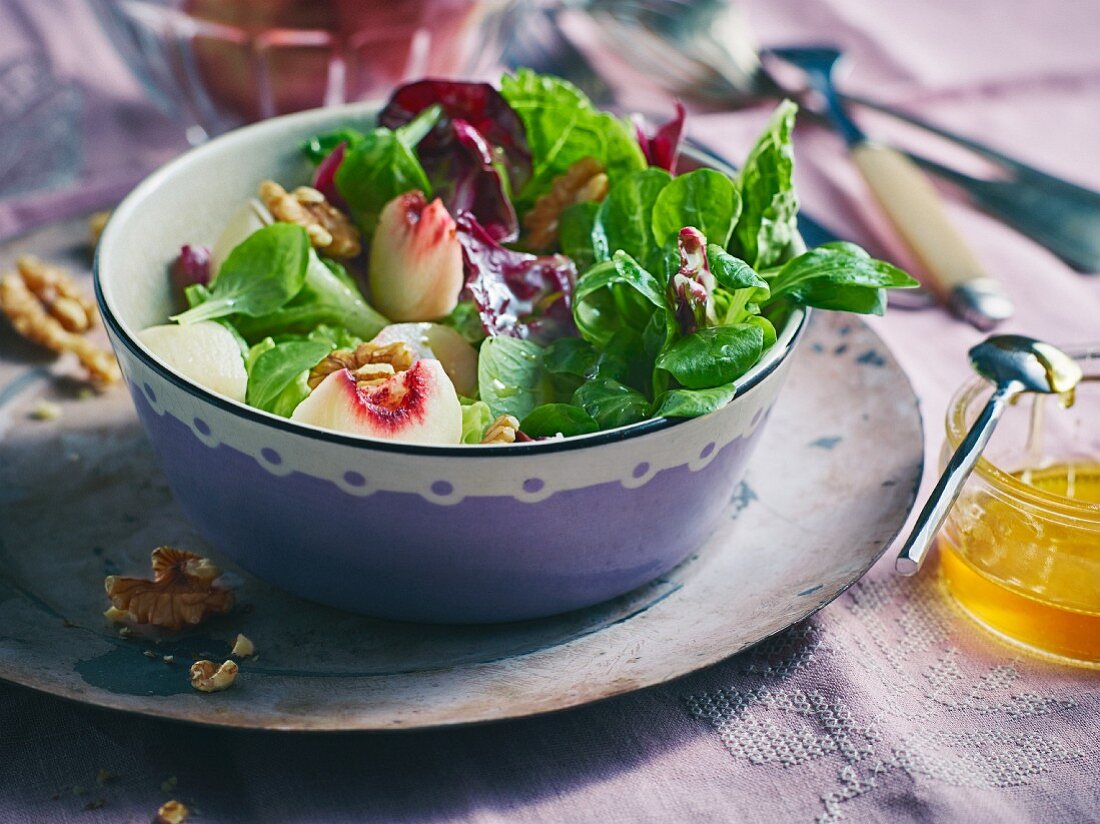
[330, 230]
[370, 363]
[585, 180]
[182, 593]
[45, 306]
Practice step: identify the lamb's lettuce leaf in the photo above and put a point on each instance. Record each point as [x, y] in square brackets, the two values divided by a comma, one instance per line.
[277, 373]
[511, 378]
[713, 356]
[838, 276]
[768, 222]
[704, 199]
[552, 419]
[562, 126]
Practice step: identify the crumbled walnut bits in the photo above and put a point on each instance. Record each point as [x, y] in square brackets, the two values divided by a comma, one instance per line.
[172, 812]
[502, 430]
[183, 591]
[243, 647]
[370, 363]
[46, 307]
[585, 180]
[330, 230]
[207, 677]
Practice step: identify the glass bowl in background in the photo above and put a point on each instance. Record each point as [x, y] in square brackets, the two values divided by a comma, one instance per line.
[220, 63]
[1020, 551]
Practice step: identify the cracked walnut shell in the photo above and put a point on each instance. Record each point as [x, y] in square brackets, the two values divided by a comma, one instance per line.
[585, 180]
[182, 593]
[330, 230]
[206, 677]
[370, 363]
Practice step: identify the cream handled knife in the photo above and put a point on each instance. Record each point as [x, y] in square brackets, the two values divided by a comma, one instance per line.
[907, 196]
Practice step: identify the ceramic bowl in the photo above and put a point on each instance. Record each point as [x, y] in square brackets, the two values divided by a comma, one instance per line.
[439, 534]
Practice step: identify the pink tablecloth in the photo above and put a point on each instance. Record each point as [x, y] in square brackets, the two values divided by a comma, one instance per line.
[885, 706]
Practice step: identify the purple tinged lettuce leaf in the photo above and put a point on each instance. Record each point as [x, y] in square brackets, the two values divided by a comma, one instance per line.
[518, 295]
[324, 178]
[691, 287]
[480, 105]
[663, 148]
[467, 180]
[191, 267]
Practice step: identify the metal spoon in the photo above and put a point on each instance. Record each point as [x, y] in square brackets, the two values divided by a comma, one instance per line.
[912, 204]
[1014, 364]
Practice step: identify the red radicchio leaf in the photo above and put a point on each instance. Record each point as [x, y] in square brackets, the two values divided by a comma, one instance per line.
[663, 148]
[324, 179]
[191, 267]
[467, 181]
[479, 104]
[518, 295]
[691, 287]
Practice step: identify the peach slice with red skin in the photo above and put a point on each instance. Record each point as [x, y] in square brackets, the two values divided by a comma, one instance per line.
[434, 340]
[418, 405]
[415, 260]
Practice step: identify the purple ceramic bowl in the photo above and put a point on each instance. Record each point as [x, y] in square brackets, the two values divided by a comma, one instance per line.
[420, 533]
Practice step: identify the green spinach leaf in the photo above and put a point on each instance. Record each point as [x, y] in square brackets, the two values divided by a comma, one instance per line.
[613, 295]
[511, 377]
[261, 274]
[552, 419]
[318, 147]
[277, 374]
[691, 403]
[625, 218]
[384, 165]
[611, 403]
[575, 233]
[713, 356]
[838, 276]
[768, 222]
[326, 298]
[705, 199]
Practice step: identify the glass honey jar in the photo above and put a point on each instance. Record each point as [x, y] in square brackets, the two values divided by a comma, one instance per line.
[1020, 550]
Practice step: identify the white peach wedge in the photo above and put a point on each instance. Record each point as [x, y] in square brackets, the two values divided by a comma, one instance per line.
[418, 405]
[205, 352]
[434, 340]
[415, 260]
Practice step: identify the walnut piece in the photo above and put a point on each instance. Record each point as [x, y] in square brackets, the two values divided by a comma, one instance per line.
[206, 677]
[172, 812]
[46, 307]
[183, 591]
[585, 180]
[502, 430]
[243, 647]
[370, 363]
[330, 230]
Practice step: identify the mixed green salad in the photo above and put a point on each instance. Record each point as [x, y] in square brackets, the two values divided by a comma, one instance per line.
[497, 265]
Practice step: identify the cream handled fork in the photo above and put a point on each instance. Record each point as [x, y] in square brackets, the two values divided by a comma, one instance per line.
[912, 204]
